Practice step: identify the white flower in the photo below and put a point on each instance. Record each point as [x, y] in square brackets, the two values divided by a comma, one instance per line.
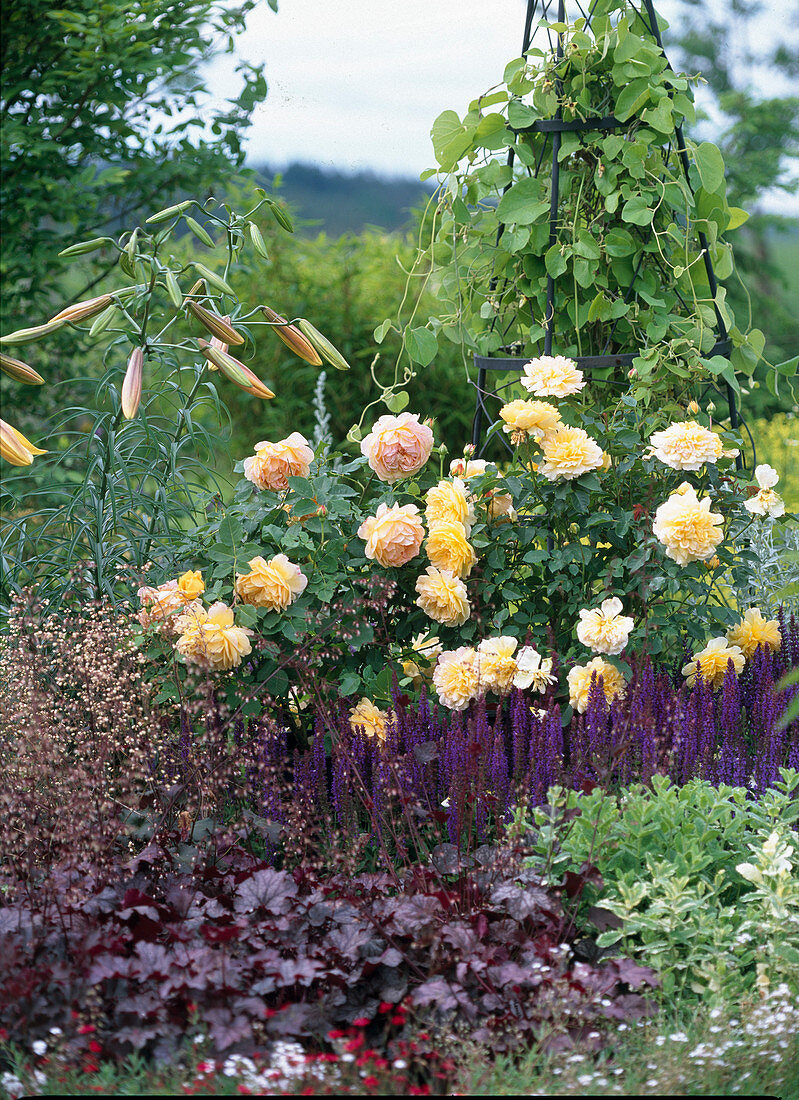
[604, 629]
[766, 476]
[39, 1048]
[532, 670]
[766, 503]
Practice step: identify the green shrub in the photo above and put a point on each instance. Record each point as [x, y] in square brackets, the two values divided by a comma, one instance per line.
[701, 877]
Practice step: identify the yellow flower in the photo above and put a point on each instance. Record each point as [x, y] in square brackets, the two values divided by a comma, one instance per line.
[449, 500]
[687, 528]
[711, 663]
[429, 649]
[498, 666]
[191, 584]
[753, 630]
[685, 446]
[443, 597]
[603, 629]
[456, 678]
[467, 467]
[15, 447]
[552, 376]
[397, 446]
[393, 535]
[210, 638]
[500, 507]
[766, 503]
[533, 671]
[536, 418]
[447, 547]
[570, 453]
[581, 676]
[273, 463]
[370, 719]
[273, 584]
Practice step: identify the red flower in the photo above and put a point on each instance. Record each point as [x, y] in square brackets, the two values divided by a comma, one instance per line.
[90, 1067]
[354, 1044]
[419, 1090]
[86, 1029]
[337, 1033]
[362, 1021]
[397, 1019]
[386, 1006]
[370, 1082]
[95, 1047]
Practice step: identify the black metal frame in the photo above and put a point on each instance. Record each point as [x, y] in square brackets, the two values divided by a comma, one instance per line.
[556, 127]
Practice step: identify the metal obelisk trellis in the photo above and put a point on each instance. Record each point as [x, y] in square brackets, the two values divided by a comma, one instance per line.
[556, 127]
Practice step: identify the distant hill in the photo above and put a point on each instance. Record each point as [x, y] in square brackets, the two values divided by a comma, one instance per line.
[341, 202]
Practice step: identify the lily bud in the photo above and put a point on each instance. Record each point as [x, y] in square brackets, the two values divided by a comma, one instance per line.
[91, 306]
[19, 370]
[322, 345]
[238, 373]
[15, 448]
[292, 337]
[30, 335]
[215, 324]
[131, 387]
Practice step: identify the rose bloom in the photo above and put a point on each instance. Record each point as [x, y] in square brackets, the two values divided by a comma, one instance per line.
[497, 664]
[753, 630]
[447, 547]
[603, 629]
[393, 535]
[766, 476]
[273, 463]
[686, 526]
[449, 500]
[552, 376]
[162, 603]
[500, 507]
[397, 446]
[685, 446]
[570, 453]
[456, 678]
[211, 639]
[766, 503]
[467, 467]
[273, 584]
[581, 676]
[443, 597]
[429, 649]
[711, 663]
[533, 671]
[191, 584]
[536, 418]
[370, 719]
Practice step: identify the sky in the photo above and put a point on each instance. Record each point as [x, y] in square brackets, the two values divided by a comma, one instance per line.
[357, 84]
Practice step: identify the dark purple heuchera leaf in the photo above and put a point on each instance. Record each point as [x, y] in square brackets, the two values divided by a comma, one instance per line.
[523, 901]
[271, 890]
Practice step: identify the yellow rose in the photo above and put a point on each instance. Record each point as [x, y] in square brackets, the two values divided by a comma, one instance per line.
[429, 648]
[536, 418]
[456, 678]
[604, 629]
[498, 666]
[394, 535]
[570, 453]
[370, 719]
[191, 585]
[467, 467]
[211, 638]
[447, 547]
[552, 376]
[397, 446]
[685, 446]
[500, 507]
[711, 663]
[449, 500]
[581, 676]
[442, 596]
[273, 463]
[273, 584]
[686, 526]
[753, 630]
